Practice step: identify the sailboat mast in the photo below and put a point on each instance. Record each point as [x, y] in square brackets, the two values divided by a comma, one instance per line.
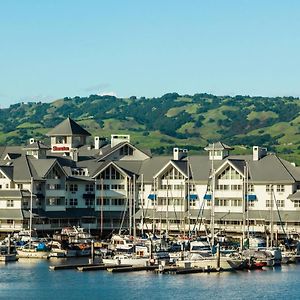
[271, 216]
[134, 203]
[188, 196]
[130, 207]
[101, 208]
[167, 211]
[30, 215]
[212, 217]
[244, 208]
[247, 191]
[142, 202]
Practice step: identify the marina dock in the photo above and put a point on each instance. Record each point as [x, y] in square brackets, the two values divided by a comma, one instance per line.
[131, 269]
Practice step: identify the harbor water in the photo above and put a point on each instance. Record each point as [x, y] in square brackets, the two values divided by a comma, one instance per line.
[32, 279]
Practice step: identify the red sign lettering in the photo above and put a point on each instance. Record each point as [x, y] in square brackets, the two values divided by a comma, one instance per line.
[63, 148]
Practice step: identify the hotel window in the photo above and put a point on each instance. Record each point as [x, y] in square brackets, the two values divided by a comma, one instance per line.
[221, 202]
[251, 188]
[236, 187]
[280, 203]
[153, 202]
[106, 201]
[192, 188]
[280, 188]
[73, 188]
[10, 222]
[89, 187]
[166, 186]
[268, 188]
[223, 187]
[55, 201]
[20, 186]
[269, 203]
[236, 202]
[53, 186]
[117, 202]
[297, 203]
[73, 202]
[250, 203]
[89, 202]
[193, 203]
[10, 203]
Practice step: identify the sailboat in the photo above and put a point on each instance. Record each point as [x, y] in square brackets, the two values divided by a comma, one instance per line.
[32, 249]
[7, 252]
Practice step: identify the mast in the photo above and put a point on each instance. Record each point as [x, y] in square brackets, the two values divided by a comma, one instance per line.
[101, 208]
[244, 199]
[247, 190]
[167, 211]
[134, 203]
[188, 196]
[212, 217]
[154, 206]
[271, 217]
[30, 215]
[142, 202]
[130, 207]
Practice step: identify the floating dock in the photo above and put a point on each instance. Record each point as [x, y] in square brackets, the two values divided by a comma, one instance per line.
[72, 266]
[131, 269]
[101, 267]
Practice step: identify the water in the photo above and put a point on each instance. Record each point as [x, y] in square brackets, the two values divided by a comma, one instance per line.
[32, 279]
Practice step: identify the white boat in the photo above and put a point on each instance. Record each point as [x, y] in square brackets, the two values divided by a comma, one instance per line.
[122, 243]
[31, 250]
[126, 260]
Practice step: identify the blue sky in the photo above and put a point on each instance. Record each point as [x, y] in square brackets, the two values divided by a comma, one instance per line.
[52, 49]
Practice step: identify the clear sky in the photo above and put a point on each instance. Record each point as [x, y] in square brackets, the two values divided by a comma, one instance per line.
[52, 49]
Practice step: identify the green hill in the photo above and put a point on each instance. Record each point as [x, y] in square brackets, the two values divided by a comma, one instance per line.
[168, 121]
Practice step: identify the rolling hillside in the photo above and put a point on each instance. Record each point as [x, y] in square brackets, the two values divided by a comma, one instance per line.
[168, 121]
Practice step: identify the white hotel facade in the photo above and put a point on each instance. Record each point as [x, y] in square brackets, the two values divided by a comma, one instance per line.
[105, 187]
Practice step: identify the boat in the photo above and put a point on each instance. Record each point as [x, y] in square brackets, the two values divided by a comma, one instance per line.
[126, 260]
[57, 249]
[31, 250]
[8, 251]
[122, 243]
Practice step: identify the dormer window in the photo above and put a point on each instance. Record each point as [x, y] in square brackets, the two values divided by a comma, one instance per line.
[126, 150]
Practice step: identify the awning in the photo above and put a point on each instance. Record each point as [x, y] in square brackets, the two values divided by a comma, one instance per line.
[152, 196]
[8, 214]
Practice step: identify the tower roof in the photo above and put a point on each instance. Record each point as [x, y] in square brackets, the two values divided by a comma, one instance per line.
[218, 146]
[68, 127]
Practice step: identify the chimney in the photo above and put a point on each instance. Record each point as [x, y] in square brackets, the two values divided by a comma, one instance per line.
[31, 141]
[119, 138]
[74, 154]
[258, 153]
[99, 142]
[178, 154]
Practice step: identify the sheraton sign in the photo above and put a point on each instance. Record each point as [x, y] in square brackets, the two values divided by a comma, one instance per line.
[62, 148]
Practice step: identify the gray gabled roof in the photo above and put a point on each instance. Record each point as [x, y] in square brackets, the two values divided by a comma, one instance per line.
[68, 127]
[42, 166]
[106, 151]
[8, 171]
[218, 146]
[36, 146]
